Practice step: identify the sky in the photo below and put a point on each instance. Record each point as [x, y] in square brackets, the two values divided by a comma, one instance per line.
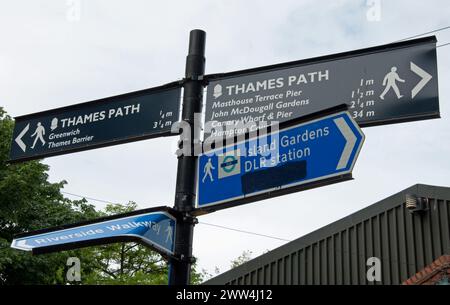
[58, 53]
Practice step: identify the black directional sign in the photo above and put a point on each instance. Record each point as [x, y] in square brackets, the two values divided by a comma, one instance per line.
[381, 85]
[130, 117]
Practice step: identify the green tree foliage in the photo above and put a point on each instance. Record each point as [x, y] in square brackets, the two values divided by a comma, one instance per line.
[241, 259]
[28, 201]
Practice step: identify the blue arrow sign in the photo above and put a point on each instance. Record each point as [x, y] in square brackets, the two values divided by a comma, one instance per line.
[308, 152]
[156, 229]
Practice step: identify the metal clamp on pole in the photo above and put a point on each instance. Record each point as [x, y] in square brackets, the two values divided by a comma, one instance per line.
[193, 84]
[181, 258]
[190, 219]
[202, 78]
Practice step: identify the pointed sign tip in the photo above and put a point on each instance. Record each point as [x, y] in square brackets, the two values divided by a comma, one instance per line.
[426, 77]
[19, 138]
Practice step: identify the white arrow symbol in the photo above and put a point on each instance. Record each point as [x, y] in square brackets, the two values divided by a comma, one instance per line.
[350, 139]
[21, 245]
[19, 138]
[426, 77]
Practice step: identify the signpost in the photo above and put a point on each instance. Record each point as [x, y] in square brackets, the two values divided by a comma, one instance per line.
[130, 117]
[381, 85]
[314, 152]
[180, 270]
[154, 227]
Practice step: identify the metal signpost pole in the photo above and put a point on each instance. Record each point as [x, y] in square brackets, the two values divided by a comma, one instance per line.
[180, 270]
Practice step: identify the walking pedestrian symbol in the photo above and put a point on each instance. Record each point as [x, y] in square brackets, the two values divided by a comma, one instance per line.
[390, 82]
[207, 171]
[169, 232]
[39, 133]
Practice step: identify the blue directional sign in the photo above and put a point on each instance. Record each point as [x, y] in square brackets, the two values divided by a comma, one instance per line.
[305, 153]
[156, 229]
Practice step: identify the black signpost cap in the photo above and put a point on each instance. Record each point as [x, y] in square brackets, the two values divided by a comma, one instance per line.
[197, 42]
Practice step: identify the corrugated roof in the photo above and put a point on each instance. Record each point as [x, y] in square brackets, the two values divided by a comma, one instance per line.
[412, 244]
